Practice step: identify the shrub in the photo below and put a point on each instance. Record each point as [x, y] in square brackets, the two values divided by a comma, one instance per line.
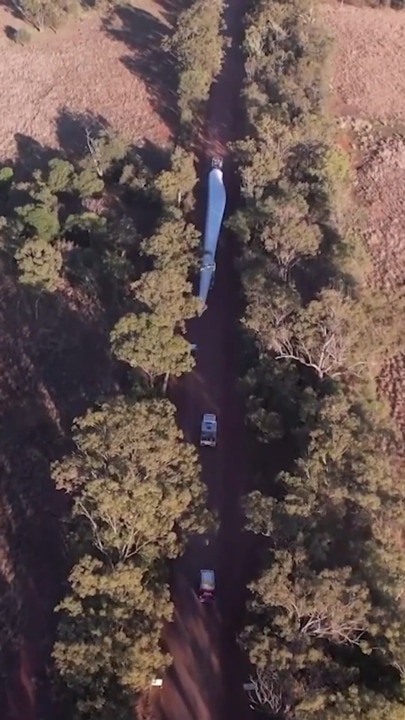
[22, 36]
[45, 13]
[39, 264]
[198, 46]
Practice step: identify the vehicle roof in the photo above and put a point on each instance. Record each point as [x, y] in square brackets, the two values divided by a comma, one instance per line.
[207, 578]
[211, 417]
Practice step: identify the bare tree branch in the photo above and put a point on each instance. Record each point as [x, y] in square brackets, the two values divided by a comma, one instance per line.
[129, 544]
[94, 152]
[266, 693]
[327, 623]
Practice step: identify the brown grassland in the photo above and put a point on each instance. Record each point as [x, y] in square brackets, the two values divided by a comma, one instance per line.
[87, 67]
[368, 91]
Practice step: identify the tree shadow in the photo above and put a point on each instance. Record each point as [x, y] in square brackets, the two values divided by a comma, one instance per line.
[142, 33]
[12, 8]
[31, 155]
[172, 8]
[71, 132]
[55, 363]
[10, 32]
[155, 157]
[119, 199]
[48, 378]
[71, 128]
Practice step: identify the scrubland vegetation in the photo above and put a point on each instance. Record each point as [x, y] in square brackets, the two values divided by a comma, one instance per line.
[133, 502]
[42, 14]
[198, 47]
[325, 627]
[114, 231]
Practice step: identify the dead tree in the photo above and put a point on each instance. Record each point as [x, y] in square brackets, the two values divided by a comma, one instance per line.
[94, 150]
[323, 625]
[266, 693]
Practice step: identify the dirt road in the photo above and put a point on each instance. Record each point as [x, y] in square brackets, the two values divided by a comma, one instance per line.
[205, 681]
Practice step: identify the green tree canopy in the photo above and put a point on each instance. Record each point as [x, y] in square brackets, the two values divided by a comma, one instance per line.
[136, 496]
[330, 335]
[153, 340]
[41, 218]
[177, 183]
[110, 626]
[61, 175]
[174, 243]
[147, 341]
[40, 264]
[325, 622]
[289, 235]
[133, 479]
[167, 293]
[197, 45]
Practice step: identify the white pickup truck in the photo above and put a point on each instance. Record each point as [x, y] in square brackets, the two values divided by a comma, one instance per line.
[209, 427]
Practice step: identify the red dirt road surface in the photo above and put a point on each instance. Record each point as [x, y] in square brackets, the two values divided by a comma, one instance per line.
[205, 680]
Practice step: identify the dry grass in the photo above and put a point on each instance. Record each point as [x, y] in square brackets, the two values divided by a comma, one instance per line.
[380, 184]
[81, 69]
[368, 81]
[369, 60]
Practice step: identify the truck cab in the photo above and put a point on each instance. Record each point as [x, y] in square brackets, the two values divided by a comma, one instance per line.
[216, 163]
[209, 427]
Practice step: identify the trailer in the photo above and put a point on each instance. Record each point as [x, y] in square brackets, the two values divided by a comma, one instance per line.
[216, 202]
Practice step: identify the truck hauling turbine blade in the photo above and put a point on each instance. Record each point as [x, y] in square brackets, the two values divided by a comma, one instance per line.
[215, 213]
